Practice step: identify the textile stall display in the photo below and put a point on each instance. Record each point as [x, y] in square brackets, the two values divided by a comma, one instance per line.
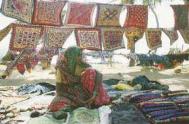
[163, 107]
[153, 38]
[80, 14]
[133, 35]
[108, 15]
[48, 12]
[25, 36]
[112, 38]
[181, 16]
[172, 34]
[88, 38]
[19, 9]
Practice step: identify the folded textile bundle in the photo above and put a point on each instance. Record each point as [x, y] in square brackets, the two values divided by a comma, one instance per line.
[170, 107]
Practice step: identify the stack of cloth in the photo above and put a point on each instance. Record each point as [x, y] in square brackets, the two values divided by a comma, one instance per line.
[163, 107]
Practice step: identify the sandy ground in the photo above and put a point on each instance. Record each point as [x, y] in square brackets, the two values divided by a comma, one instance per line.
[175, 81]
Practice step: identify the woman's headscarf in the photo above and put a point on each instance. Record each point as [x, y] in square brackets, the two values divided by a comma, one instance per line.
[71, 54]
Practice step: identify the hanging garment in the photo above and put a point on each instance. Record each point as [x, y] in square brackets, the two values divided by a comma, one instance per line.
[5, 31]
[24, 36]
[153, 38]
[48, 12]
[172, 34]
[181, 16]
[56, 37]
[108, 15]
[185, 35]
[80, 14]
[89, 38]
[19, 9]
[137, 16]
[112, 38]
[133, 35]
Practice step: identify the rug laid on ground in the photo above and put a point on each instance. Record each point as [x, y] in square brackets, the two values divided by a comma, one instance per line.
[108, 15]
[137, 16]
[48, 12]
[80, 14]
[181, 16]
[55, 37]
[185, 35]
[19, 9]
[88, 38]
[153, 38]
[133, 35]
[24, 36]
[172, 34]
[113, 38]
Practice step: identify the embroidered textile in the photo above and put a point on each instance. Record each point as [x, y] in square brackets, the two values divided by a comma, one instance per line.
[153, 38]
[108, 15]
[172, 34]
[133, 35]
[48, 12]
[112, 38]
[19, 9]
[55, 37]
[24, 36]
[80, 14]
[181, 16]
[137, 16]
[88, 38]
[5, 31]
[185, 35]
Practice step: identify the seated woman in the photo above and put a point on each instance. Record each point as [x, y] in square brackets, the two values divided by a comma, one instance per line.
[77, 84]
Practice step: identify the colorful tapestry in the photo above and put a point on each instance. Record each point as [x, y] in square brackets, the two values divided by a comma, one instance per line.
[133, 35]
[4, 32]
[19, 9]
[80, 14]
[172, 34]
[181, 16]
[48, 12]
[153, 38]
[24, 36]
[88, 38]
[185, 35]
[113, 38]
[55, 37]
[108, 15]
[137, 16]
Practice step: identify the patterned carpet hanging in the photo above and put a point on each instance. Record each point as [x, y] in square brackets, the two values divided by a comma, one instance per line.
[55, 37]
[108, 15]
[24, 36]
[137, 16]
[153, 38]
[172, 34]
[80, 14]
[113, 38]
[19, 9]
[88, 38]
[133, 35]
[185, 35]
[181, 16]
[48, 12]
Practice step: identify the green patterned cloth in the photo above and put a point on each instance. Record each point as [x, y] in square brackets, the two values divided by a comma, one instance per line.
[85, 116]
[181, 16]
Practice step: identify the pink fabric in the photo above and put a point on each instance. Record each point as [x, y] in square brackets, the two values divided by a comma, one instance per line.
[88, 81]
